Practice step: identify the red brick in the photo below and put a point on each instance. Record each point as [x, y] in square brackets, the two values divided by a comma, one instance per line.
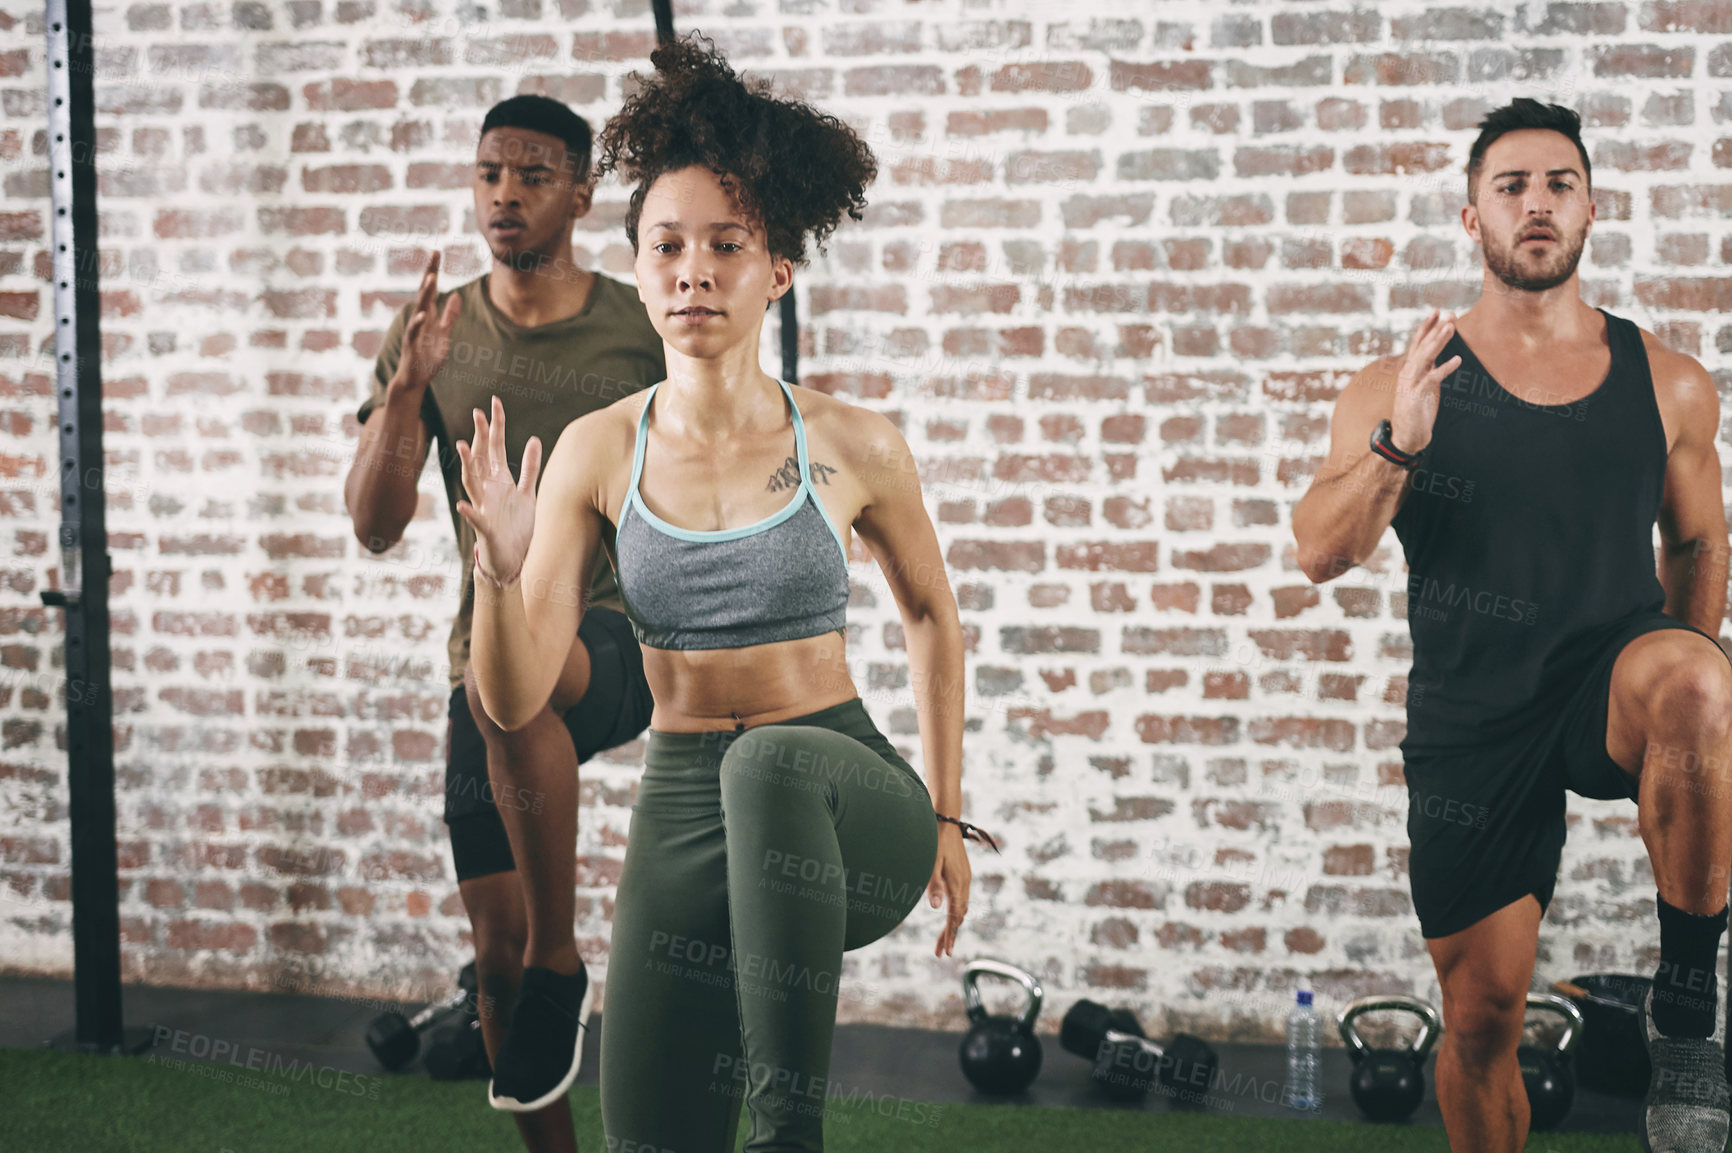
[1114, 933]
[982, 123]
[1154, 730]
[1145, 641]
[1041, 889]
[1338, 687]
[1217, 896]
[1190, 513]
[225, 936]
[893, 80]
[1358, 25]
[1043, 76]
[1234, 686]
[1392, 69]
[1293, 600]
[1111, 597]
[1283, 161]
[1011, 512]
[1704, 294]
[1302, 644]
[293, 937]
[592, 47]
[351, 95]
[1304, 733]
[1644, 61]
[1164, 680]
[357, 902]
[1349, 861]
[1048, 639]
[1229, 600]
[1223, 557]
[1023, 556]
[1041, 723]
[1125, 556]
[1160, 76]
[1702, 16]
[1124, 895]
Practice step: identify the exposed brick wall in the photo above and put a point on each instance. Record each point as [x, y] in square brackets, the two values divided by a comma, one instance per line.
[1115, 269]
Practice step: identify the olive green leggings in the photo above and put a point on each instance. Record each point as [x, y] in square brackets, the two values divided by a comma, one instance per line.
[754, 860]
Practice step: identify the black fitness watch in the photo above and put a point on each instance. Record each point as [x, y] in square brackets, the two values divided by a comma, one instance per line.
[1385, 448]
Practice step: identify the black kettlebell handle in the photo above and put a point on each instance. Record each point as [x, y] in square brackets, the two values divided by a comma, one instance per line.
[990, 968]
[1565, 1008]
[1430, 1026]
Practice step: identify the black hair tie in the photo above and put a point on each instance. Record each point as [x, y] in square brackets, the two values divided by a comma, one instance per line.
[969, 831]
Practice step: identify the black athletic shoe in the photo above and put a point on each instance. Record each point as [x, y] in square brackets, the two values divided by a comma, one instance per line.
[1686, 1109]
[542, 1049]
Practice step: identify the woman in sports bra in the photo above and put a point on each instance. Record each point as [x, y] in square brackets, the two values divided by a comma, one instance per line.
[775, 827]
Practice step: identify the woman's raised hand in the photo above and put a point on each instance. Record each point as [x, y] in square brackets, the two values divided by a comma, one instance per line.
[501, 510]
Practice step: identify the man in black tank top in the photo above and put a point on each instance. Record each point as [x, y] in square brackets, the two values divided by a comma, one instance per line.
[1523, 462]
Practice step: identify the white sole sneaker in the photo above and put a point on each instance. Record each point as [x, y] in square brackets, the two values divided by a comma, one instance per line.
[1685, 1110]
[513, 1105]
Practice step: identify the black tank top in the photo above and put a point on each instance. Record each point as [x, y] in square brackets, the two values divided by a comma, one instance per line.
[1529, 535]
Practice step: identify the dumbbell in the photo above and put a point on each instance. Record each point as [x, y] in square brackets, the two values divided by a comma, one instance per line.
[455, 1049]
[1127, 1064]
[1548, 1075]
[395, 1039]
[1388, 1084]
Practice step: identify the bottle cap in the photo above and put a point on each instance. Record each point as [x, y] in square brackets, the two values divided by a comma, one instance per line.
[1304, 996]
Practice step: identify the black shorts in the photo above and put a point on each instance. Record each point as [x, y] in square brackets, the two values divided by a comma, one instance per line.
[1487, 824]
[615, 709]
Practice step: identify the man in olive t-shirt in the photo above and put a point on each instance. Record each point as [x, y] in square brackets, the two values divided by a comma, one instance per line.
[546, 377]
[553, 342]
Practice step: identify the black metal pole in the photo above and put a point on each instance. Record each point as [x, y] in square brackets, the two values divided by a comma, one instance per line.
[84, 560]
[790, 339]
[790, 318]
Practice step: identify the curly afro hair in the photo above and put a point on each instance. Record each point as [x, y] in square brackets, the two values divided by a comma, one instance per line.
[787, 165]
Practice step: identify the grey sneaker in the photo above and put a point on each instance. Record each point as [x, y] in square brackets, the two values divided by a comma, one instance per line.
[1686, 1107]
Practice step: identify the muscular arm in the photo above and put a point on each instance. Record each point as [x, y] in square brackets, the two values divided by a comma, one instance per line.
[1355, 493]
[1692, 521]
[522, 634]
[896, 530]
[379, 492]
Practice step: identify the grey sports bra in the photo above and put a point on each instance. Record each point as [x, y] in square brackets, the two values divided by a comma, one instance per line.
[782, 578]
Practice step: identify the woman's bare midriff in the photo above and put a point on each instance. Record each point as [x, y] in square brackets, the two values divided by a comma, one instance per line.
[708, 689]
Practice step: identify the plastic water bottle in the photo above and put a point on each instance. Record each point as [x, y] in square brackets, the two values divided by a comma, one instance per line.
[1304, 1056]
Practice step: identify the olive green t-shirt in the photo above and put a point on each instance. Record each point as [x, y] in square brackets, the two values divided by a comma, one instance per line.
[546, 377]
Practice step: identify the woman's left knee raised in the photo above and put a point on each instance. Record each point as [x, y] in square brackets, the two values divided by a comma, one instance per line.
[780, 765]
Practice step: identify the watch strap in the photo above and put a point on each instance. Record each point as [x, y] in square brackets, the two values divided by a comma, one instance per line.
[1383, 446]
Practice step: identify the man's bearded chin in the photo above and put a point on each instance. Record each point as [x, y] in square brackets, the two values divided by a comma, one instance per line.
[1504, 264]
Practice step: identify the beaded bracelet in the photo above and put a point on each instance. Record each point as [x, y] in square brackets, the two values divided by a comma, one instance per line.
[487, 577]
[969, 830]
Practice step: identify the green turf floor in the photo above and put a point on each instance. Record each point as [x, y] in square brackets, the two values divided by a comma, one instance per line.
[70, 1103]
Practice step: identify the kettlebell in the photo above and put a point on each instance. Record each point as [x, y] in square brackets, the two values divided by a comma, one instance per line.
[1000, 1055]
[1389, 1084]
[1548, 1075]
